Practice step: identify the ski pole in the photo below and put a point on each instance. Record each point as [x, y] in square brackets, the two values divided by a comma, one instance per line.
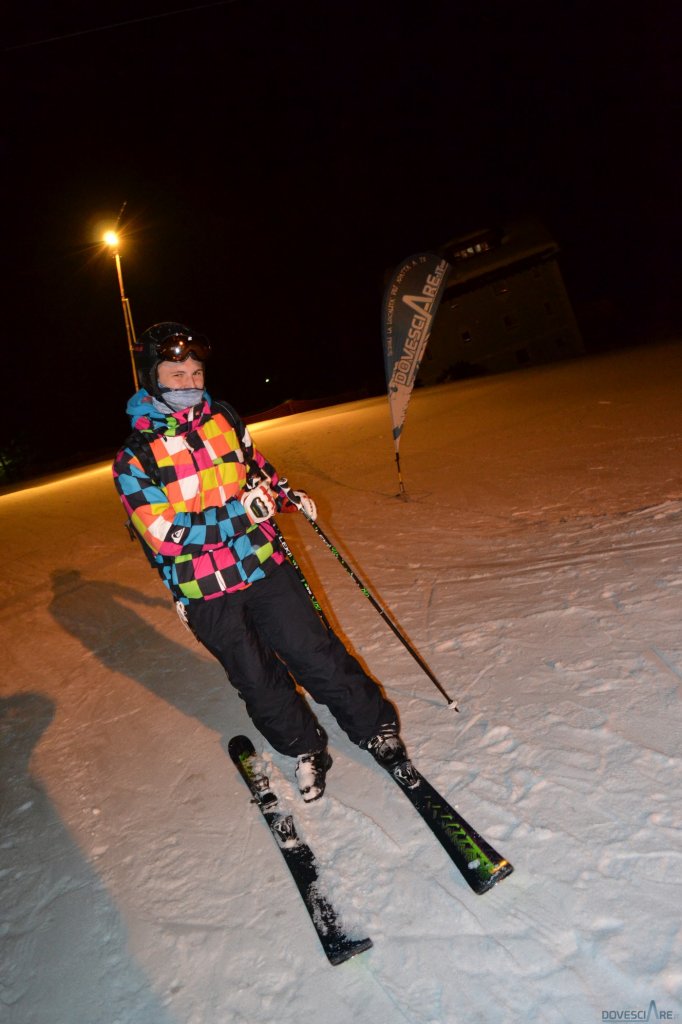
[389, 622]
[452, 704]
[299, 572]
[253, 480]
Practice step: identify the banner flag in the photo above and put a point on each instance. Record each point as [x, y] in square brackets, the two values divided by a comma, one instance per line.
[410, 303]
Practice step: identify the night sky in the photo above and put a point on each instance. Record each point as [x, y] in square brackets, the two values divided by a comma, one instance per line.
[276, 159]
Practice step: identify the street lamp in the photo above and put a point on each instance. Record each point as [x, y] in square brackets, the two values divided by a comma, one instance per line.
[111, 239]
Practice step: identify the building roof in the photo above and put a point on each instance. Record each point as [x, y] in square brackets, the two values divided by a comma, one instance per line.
[490, 251]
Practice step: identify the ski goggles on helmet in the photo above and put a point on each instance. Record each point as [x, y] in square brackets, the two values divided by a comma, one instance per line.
[178, 347]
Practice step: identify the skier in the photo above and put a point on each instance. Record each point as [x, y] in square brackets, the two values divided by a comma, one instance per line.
[202, 498]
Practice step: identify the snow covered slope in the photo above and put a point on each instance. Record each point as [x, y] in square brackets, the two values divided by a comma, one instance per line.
[537, 567]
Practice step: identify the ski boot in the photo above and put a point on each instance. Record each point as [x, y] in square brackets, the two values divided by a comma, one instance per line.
[389, 751]
[311, 774]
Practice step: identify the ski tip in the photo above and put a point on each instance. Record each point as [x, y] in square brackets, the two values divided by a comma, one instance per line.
[240, 746]
[344, 950]
[501, 870]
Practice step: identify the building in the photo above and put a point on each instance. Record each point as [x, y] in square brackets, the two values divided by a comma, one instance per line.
[504, 305]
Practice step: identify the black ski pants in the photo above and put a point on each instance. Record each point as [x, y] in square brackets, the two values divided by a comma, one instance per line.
[268, 637]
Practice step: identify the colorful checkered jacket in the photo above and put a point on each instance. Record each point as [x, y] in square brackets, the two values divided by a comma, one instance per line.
[184, 500]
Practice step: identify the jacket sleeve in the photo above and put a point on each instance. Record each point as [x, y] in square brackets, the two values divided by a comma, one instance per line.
[258, 464]
[166, 532]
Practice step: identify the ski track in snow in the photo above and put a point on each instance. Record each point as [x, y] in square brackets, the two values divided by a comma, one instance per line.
[538, 568]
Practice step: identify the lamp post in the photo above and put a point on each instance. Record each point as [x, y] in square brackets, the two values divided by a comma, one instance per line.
[111, 239]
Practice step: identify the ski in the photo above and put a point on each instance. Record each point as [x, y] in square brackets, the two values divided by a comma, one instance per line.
[300, 860]
[480, 864]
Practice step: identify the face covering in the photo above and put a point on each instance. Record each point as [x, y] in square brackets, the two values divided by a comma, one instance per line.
[177, 399]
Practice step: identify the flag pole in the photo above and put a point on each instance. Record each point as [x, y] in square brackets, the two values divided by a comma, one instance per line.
[402, 493]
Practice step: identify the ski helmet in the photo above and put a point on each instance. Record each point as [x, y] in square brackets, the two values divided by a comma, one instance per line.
[163, 342]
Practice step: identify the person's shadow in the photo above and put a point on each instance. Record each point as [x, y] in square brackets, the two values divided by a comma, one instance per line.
[63, 952]
[98, 614]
